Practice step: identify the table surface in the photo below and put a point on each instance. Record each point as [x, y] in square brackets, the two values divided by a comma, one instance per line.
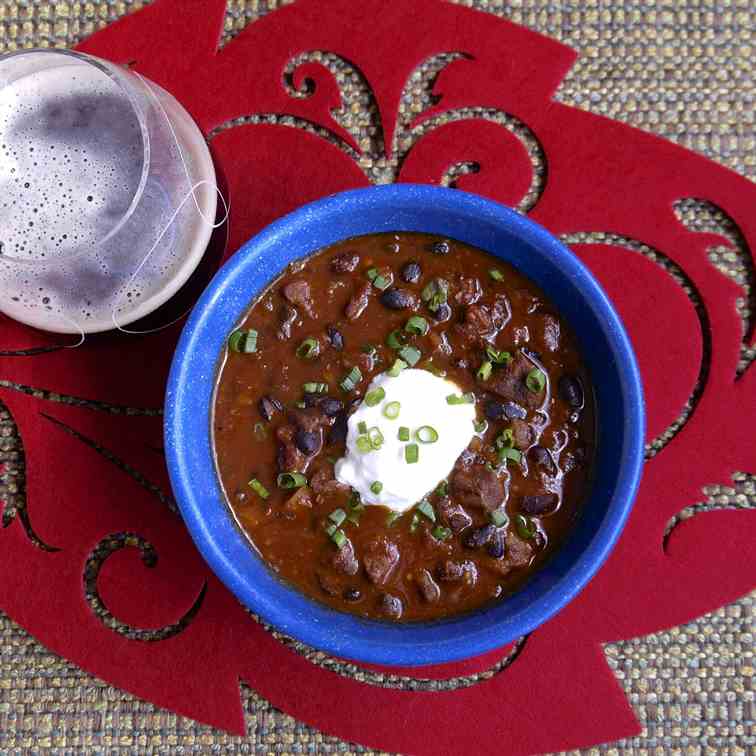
[682, 69]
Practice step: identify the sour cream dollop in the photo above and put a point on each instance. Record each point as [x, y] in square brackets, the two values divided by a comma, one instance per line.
[423, 401]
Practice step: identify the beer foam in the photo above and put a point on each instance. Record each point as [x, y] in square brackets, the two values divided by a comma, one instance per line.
[71, 161]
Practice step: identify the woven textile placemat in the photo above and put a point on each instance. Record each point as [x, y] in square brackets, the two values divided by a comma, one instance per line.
[683, 70]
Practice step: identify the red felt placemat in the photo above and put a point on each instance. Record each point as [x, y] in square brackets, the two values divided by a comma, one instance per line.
[599, 177]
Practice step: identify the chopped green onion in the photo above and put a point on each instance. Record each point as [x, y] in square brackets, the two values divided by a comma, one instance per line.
[332, 460]
[437, 371]
[411, 454]
[363, 444]
[331, 529]
[435, 293]
[259, 488]
[243, 341]
[355, 502]
[300, 404]
[484, 371]
[337, 516]
[291, 480]
[362, 427]
[308, 349]
[397, 368]
[417, 325]
[468, 398]
[315, 388]
[505, 439]
[415, 523]
[351, 379]
[391, 410]
[261, 432]
[499, 518]
[376, 487]
[375, 437]
[371, 273]
[443, 488]
[426, 434]
[392, 518]
[396, 339]
[339, 538]
[411, 355]
[535, 381]
[354, 517]
[509, 452]
[381, 282]
[525, 526]
[404, 433]
[496, 274]
[376, 396]
[369, 349]
[498, 357]
[481, 426]
[440, 533]
[426, 508]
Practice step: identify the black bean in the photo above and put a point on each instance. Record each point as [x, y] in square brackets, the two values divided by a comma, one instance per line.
[352, 594]
[478, 537]
[335, 338]
[442, 313]
[330, 406]
[306, 442]
[541, 457]
[397, 299]
[513, 410]
[411, 272]
[338, 431]
[571, 391]
[495, 547]
[441, 248]
[504, 410]
[268, 407]
[539, 504]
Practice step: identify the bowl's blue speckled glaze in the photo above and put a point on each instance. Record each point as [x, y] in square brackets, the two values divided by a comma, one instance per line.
[501, 232]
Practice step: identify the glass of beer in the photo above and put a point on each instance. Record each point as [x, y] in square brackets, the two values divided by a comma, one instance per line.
[107, 192]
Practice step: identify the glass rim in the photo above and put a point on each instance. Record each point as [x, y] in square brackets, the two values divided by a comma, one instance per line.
[107, 69]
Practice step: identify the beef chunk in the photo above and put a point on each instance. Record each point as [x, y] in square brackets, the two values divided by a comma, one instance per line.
[509, 382]
[428, 587]
[539, 504]
[517, 553]
[288, 318]
[380, 558]
[345, 262]
[469, 292]
[551, 333]
[298, 294]
[522, 434]
[390, 606]
[452, 515]
[482, 322]
[359, 301]
[477, 486]
[323, 482]
[289, 458]
[344, 559]
[457, 572]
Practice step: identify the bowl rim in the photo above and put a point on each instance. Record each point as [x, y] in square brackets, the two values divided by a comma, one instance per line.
[188, 445]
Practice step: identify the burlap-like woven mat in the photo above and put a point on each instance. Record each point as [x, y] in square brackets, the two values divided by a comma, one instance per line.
[682, 69]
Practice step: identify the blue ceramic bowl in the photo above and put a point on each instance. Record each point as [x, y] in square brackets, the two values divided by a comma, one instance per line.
[476, 221]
